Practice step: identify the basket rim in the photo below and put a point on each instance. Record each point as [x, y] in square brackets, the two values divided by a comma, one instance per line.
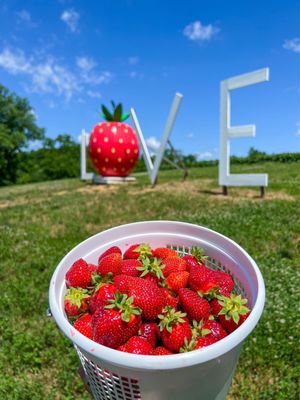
[169, 362]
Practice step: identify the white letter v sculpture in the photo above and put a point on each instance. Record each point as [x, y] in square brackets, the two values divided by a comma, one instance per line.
[153, 169]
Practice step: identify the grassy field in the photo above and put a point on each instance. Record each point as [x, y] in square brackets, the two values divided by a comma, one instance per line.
[40, 223]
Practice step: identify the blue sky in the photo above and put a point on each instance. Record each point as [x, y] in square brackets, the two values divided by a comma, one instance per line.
[68, 57]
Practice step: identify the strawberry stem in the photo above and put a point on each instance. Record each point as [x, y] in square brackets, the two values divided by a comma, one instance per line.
[76, 295]
[233, 307]
[124, 305]
[198, 253]
[152, 267]
[169, 318]
[144, 251]
[116, 115]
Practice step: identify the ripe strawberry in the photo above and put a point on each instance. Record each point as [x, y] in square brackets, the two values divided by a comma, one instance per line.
[177, 280]
[138, 251]
[233, 311]
[169, 299]
[196, 258]
[199, 274]
[150, 332]
[209, 289]
[224, 281]
[208, 328]
[174, 329]
[76, 301]
[113, 145]
[122, 348]
[124, 282]
[113, 249]
[138, 345]
[161, 351]
[163, 252]
[194, 305]
[105, 292]
[147, 296]
[173, 264]
[230, 325]
[83, 325]
[215, 328]
[197, 342]
[152, 278]
[116, 322]
[111, 263]
[79, 275]
[204, 341]
[93, 267]
[129, 267]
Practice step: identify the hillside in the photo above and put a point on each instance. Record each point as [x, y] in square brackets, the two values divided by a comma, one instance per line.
[40, 223]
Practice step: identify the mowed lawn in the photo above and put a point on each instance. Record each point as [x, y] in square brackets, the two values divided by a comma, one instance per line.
[40, 223]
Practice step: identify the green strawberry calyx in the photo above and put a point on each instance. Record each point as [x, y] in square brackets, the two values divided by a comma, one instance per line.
[169, 318]
[125, 305]
[144, 251]
[98, 280]
[233, 307]
[153, 266]
[211, 291]
[117, 114]
[76, 295]
[188, 345]
[198, 330]
[198, 253]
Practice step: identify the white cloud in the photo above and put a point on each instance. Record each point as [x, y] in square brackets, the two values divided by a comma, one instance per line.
[49, 76]
[205, 155]
[24, 15]
[298, 129]
[152, 142]
[15, 62]
[93, 94]
[190, 135]
[85, 63]
[133, 60]
[198, 32]
[71, 18]
[89, 75]
[293, 44]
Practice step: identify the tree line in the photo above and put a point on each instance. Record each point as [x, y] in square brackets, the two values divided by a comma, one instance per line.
[60, 157]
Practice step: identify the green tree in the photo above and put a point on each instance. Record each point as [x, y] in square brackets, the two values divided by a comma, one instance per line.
[17, 128]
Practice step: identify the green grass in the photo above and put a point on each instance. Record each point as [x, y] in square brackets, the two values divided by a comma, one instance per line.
[40, 223]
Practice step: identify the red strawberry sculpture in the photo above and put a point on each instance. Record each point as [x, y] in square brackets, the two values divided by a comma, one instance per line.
[113, 144]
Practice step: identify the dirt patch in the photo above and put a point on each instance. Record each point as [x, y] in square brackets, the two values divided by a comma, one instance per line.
[18, 202]
[98, 188]
[205, 187]
[172, 187]
[237, 194]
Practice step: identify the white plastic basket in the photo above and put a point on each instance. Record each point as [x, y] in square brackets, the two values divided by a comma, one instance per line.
[201, 374]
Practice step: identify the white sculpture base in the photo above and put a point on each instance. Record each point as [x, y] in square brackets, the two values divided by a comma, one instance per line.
[112, 180]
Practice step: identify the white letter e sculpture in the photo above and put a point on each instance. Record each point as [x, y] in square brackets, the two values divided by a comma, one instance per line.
[227, 132]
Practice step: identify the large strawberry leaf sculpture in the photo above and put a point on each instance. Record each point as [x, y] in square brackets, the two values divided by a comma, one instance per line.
[113, 145]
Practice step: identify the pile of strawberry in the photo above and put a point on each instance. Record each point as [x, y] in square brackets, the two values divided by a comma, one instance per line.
[152, 301]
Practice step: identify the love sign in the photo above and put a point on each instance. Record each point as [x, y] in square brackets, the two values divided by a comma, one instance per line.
[227, 132]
